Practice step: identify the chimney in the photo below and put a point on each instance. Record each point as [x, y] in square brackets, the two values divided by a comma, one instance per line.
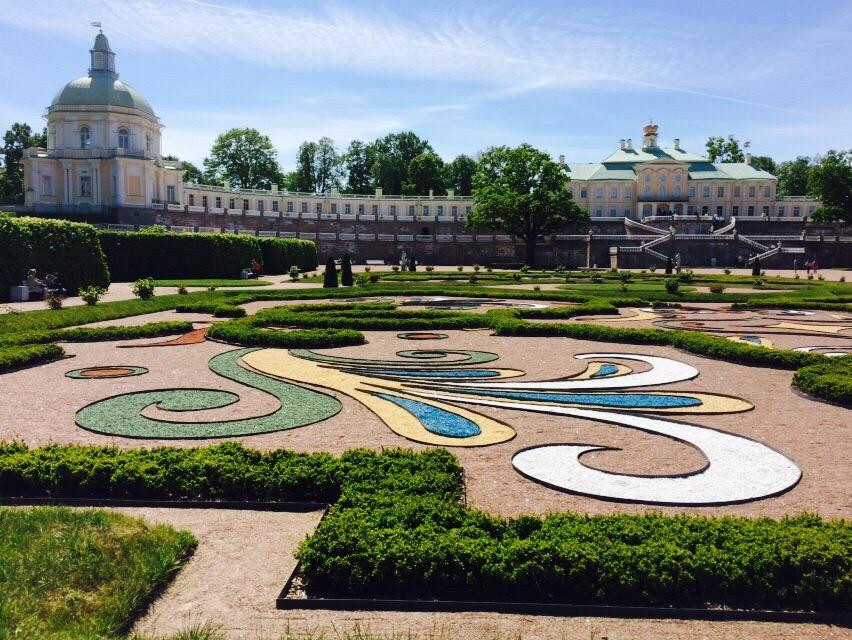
[629, 144]
[335, 192]
[274, 188]
[227, 184]
[748, 158]
[379, 191]
[431, 193]
[451, 193]
[561, 159]
[623, 144]
[677, 143]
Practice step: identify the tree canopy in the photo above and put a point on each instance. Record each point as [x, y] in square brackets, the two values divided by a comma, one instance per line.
[245, 157]
[20, 136]
[830, 180]
[523, 192]
[393, 156]
[721, 149]
[793, 176]
[458, 175]
[425, 172]
[358, 165]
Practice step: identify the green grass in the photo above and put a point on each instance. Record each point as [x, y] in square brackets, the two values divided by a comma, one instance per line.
[80, 575]
[212, 282]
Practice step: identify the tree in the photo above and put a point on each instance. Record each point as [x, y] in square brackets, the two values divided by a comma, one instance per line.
[459, 175]
[793, 176]
[425, 171]
[765, 163]
[306, 171]
[19, 137]
[191, 173]
[327, 164]
[329, 279]
[246, 158]
[522, 192]
[290, 181]
[346, 271]
[394, 154]
[728, 149]
[830, 180]
[358, 163]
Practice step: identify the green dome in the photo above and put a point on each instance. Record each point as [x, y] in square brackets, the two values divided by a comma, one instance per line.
[103, 89]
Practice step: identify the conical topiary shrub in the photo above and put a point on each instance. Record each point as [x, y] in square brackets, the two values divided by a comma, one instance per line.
[330, 278]
[755, 269]
[669, 265]
[346, 271]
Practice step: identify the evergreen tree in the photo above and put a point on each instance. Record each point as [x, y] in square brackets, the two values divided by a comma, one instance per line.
[329, 280]
[346, 271]
[669, 265]
[755, 269]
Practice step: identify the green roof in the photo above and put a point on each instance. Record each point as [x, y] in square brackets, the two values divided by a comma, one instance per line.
[101, 89]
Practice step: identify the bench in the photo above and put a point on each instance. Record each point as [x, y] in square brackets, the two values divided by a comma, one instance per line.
[374, 262]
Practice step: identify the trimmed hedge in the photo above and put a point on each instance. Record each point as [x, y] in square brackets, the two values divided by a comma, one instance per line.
[830, 380]
[70, 249]
[399, 529]
[96, 334]
[26, 355]
[244, 332]
[279, 254]
[176, 255]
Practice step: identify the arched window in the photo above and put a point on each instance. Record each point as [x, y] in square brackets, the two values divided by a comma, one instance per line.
[123, 138]
[147, 141]
[85, 137]
[677, 191]
[662, 192]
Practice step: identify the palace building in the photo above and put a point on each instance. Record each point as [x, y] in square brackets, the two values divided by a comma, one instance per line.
[104, 162]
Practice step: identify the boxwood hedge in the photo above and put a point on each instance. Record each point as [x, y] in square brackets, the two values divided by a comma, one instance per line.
[830, 380]
[279, 254]
[399, 529]
[30, 354]
[70, 249]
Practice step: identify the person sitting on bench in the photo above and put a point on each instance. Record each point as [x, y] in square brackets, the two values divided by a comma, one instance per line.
[37, 288]
[54, 284]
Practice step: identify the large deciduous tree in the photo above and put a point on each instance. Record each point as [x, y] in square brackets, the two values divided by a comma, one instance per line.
[394, 154]
[318, 166]
[721, 149]
[246, 158]
[306, 170]
[459, 175]
[793, 176]
[425, 172]
[20, 136]
[358, 164]
[523, 192]
[765, 163]
[830, 180]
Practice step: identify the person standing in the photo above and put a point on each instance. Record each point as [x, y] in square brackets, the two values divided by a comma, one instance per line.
[677, 262]
[403, 260]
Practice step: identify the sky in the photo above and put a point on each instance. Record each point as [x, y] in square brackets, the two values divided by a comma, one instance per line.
[570, 78]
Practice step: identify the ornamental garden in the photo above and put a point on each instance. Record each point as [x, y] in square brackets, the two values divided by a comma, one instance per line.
[475, 451]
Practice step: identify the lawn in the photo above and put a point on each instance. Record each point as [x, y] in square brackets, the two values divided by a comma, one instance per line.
[80, 575]
[212, 282]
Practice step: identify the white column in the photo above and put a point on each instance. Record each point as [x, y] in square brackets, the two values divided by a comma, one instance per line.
[119, 194]
[653, 208]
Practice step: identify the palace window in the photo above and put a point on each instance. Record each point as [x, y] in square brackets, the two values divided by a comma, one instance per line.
[718, 211]
[245, 205]
[232, 204]
[191, 200]
[440, 209]
[690, 209]
[647, 192]
[304, 207]
[147, 141]
[289, 206]
[735, 210]
[627, 213]
[736, 192]
[765, 211]
[467, 210]
[662, 177]
[334, 207]
[375, 209]
[47, 185]
[260, 205]
[662, 192]
[411, 209]
[766, 192]
[613, 212]
[751, 211]
[584, 193]
[751, 192]
[319, 207]
[599, 192]
[706, 192]
[275, 206]
[425, 209]
[647, 177]
[613, 193]
[720, 192]
[781, 212]
[85, 137]
[204, 201]
[628, 192]
[797, 211]
[170, 194]
[677, 191]
[360, 209]
[705, 210]
[678, 177]
[599, 212]
[218, 202]
[810, 210]
[393, 210]
[455, 210]
[692, 192]
[123, 138]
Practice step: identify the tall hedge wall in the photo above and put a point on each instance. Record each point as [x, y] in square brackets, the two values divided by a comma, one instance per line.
[174, 255]
[70, 249]
[280, 254]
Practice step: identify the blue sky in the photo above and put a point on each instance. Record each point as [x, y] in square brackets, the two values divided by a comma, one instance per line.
[568, 77]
